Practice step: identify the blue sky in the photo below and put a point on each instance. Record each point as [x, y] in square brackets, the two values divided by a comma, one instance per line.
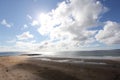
[57, 25]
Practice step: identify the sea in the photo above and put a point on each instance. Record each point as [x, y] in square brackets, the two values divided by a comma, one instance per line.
[71, 54]
[10, 53]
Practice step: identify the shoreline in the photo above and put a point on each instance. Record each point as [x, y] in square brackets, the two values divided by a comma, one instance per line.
[28, 68]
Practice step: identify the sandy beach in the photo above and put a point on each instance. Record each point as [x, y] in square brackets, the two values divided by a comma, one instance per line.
[26, 68]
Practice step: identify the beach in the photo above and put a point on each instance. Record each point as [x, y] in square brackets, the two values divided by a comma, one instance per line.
[41, 68]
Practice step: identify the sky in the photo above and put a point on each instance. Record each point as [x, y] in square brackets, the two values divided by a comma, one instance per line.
[59, 25]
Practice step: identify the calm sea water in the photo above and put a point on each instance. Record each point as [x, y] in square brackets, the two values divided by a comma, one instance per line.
[72, 54]
[10, 53]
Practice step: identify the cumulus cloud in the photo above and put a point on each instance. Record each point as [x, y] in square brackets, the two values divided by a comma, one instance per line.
[110, 34]
[70, 22]
[5, 23]
[34, 23]
[25, 36]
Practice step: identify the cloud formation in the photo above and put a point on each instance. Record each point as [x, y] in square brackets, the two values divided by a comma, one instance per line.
[110, 34]
[5, 23]
[72, 25]
[70, 22]
[34, 23]
[25, 36]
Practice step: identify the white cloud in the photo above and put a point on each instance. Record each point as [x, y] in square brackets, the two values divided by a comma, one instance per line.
[5, 23]
[35, 23]
[47, 23]
[25, 26]
[70, 22]
[110, 34]
[29, 17]
[24, 36]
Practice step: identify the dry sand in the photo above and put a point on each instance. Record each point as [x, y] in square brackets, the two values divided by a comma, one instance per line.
[25, 68]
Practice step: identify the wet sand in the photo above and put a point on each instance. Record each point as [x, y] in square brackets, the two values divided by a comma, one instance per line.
[26, 68]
